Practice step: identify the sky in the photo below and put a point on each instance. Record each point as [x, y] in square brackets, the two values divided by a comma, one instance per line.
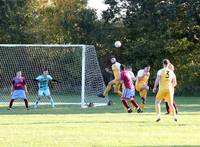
[98, 5]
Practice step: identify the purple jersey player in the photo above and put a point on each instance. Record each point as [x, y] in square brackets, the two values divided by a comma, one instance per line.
[129, 90]
[18, 90]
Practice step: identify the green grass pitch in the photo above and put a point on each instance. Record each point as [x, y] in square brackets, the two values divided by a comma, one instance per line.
[111, 126]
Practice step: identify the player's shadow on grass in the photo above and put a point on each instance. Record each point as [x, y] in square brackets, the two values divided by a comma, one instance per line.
[183, 106]
[75, 109]
[60, 109]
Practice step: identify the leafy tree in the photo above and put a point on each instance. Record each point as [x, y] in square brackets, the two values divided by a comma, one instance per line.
[11, 21]
[160, 29]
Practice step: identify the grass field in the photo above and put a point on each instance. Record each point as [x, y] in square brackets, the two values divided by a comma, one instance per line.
[71, 126]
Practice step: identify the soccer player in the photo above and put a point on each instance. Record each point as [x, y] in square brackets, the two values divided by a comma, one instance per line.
[129, 90]
[165, 79]
[43, 83]
[18, 90]
[130, 70]
[171, 66]
[117, 84]
[141, 84]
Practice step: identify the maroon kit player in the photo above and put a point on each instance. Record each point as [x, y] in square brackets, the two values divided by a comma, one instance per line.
[129, 90]
[18, 90]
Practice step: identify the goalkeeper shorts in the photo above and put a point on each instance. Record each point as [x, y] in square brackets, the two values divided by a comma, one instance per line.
[44, 92]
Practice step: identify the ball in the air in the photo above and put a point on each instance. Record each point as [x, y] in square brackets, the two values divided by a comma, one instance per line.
[118, 44]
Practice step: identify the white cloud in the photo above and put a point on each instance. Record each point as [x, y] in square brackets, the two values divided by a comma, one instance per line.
[98, 5]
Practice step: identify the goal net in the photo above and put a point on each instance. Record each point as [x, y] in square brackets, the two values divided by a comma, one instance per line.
[76, 66]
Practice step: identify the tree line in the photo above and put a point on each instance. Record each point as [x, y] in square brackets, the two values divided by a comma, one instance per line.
[150, 30]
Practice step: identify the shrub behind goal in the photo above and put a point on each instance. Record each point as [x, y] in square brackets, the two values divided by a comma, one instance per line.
[76, 66]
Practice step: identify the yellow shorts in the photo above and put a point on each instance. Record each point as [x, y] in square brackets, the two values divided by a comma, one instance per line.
[142, 93]
[117, 85]
[167, 95]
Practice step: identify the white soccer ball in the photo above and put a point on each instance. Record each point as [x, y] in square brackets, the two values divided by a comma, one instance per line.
[118, 44]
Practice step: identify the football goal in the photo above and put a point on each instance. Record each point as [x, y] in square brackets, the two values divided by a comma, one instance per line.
[76, 66]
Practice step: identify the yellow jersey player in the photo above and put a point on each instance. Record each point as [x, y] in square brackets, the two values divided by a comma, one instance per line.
[165, 79]
[141, 84]
[171, 66]
[115, 82]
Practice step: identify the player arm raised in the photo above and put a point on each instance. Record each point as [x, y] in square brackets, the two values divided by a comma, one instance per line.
[54, 80]
[108, 71]
[36, 79]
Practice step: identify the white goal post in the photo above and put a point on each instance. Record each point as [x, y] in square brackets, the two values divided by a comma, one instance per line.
[76, 66]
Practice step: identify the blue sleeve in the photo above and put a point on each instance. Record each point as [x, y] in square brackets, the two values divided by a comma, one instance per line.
[38, 78]
[49, 77]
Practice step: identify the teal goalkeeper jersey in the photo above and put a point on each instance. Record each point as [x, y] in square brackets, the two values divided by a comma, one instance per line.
[43, 81]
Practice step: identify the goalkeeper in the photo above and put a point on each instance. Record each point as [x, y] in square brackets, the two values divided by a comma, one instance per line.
[43, 84]
[117, 84]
